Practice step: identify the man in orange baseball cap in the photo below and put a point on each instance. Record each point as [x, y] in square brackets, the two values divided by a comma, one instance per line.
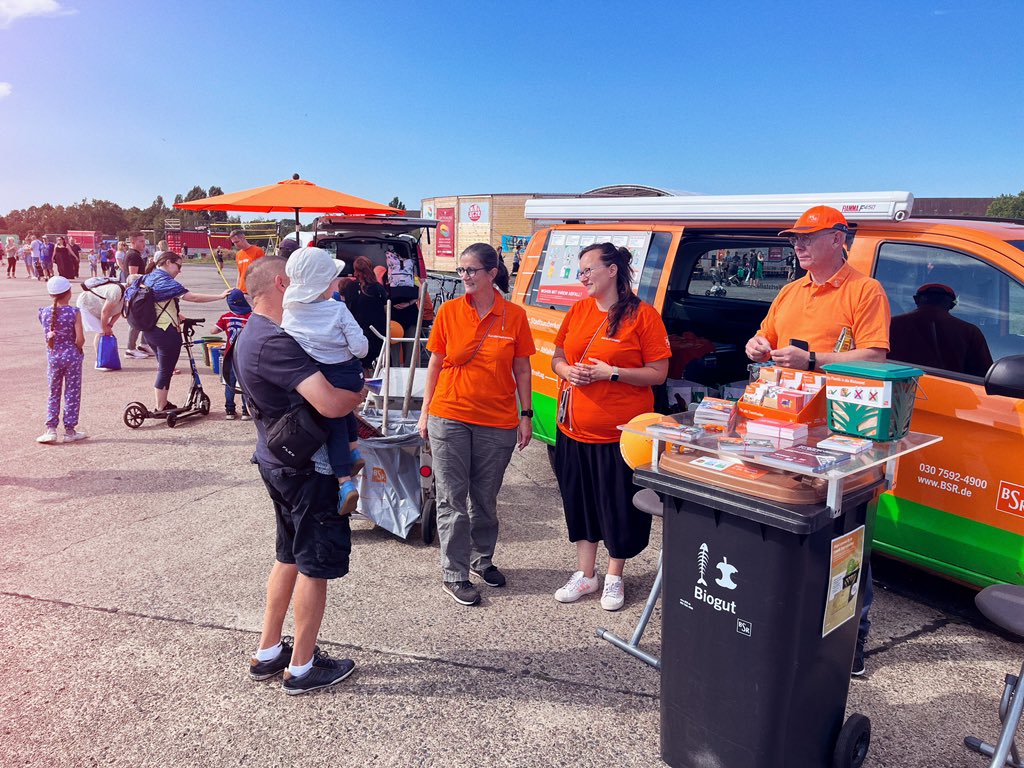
[834, 313]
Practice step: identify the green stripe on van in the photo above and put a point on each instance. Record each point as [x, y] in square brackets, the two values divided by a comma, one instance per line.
[544, 428]
[962, 549]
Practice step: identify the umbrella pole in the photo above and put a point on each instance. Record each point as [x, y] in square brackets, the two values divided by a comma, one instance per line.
[386, 384]
[415, 359]
[297, 227]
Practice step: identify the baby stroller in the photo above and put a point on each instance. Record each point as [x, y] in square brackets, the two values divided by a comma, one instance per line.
[198, 403]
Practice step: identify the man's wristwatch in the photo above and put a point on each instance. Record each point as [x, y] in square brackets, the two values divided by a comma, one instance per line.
[615, 374]
[527, 412]
[812, 361]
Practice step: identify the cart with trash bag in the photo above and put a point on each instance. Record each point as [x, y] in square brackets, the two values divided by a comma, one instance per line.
[396, 487]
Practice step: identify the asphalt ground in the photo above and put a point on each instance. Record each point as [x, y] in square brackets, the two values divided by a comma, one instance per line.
[132, 576]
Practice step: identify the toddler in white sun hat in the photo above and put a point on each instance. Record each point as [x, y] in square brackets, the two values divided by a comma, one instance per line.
[327, 331]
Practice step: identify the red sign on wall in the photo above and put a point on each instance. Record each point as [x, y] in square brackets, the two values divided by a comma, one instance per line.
[445, 233]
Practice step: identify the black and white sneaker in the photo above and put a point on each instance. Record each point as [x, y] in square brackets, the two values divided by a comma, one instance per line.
[858, 660]
[324, 673]
[462, 592]
[263, 670]
[492, 576]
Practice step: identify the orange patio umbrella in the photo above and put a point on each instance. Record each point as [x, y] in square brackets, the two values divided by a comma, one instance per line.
[292, 194]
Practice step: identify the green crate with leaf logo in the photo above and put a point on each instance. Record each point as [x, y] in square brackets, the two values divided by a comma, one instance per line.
[872, 400]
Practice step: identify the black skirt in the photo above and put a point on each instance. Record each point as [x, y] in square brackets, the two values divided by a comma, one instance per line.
[597, 495]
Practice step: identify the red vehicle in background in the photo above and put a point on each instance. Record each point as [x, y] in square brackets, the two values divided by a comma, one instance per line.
[89, 241]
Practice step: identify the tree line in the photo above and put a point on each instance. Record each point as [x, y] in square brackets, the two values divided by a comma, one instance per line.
[111, 219]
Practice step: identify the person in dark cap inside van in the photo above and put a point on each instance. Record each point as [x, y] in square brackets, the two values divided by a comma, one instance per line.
[932, 337]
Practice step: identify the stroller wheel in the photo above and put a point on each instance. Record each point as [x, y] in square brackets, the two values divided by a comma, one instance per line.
[134, 415]
[707, 293]
[172, 419]
[204, 404]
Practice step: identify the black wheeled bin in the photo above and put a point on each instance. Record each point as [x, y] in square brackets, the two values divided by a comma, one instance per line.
[750, 678]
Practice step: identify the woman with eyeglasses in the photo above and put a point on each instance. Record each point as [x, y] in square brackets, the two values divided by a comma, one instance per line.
[477, 407]
[611, 349]
[165, 337]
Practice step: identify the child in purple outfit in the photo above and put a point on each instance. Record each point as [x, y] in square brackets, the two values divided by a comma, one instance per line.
[65, 340]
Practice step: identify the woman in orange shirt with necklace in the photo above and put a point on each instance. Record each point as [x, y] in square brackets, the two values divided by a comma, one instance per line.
[611, 349]
[479, 365]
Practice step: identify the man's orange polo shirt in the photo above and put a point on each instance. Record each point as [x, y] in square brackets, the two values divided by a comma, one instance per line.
[482, 389]
[596, 410]
[244, 259]
[817, 314]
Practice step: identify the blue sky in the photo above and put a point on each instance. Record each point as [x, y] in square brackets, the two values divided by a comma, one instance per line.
[125, 101]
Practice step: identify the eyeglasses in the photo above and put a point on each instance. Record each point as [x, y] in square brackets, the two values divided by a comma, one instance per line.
[802, 241]
[586, 272]
[468, 271]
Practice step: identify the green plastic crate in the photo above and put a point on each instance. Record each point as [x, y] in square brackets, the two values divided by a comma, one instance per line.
[872, 400]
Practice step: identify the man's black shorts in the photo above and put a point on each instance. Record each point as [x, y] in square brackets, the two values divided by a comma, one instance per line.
[310, 532]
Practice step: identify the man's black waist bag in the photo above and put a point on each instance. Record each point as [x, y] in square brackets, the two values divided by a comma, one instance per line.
[296, 436]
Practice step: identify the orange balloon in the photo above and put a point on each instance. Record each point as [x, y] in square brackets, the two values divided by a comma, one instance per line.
[397, 331]
[636, 449]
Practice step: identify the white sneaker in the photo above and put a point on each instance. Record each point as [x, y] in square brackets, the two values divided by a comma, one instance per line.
[73, 436]
[576, 587]
[146, 348]
[614, 595]
[136, 353]
[49, 436]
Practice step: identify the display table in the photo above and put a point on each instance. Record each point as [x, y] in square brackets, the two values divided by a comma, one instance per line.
[880, 455]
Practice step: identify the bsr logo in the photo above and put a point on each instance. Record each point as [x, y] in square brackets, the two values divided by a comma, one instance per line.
[1010, 498]
[379, 475]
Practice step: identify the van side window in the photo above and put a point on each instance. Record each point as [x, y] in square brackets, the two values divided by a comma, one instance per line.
[747, 271]
[555, 283]
[980, 318]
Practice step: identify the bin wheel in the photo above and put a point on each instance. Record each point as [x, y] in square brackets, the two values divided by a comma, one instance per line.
[853, 742]
[204, 404]
[172, 419]
[428, 517]
[134, 415]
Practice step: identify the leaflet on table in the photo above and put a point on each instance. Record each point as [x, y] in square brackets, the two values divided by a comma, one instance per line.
[733, 467]
[681, 432]
[807, 457]
[775, 428]
[747, 446]
[716, 412]
[845, 444]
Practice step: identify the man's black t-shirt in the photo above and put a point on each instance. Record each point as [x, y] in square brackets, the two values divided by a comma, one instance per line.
[269, 365]
[134, 259]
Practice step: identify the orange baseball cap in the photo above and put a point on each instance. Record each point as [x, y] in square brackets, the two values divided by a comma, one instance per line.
[816, 219]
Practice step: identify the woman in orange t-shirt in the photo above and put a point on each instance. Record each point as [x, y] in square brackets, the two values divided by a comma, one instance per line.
[479, 366]
[611, 349]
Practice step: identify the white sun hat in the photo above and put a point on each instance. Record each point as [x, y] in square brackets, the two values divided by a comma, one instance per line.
[311, 271]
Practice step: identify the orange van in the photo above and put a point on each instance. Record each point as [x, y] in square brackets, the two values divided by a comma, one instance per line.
[712, 266]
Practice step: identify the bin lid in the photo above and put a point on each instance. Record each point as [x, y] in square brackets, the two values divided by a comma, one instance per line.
[801, 519]
[869, 370]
